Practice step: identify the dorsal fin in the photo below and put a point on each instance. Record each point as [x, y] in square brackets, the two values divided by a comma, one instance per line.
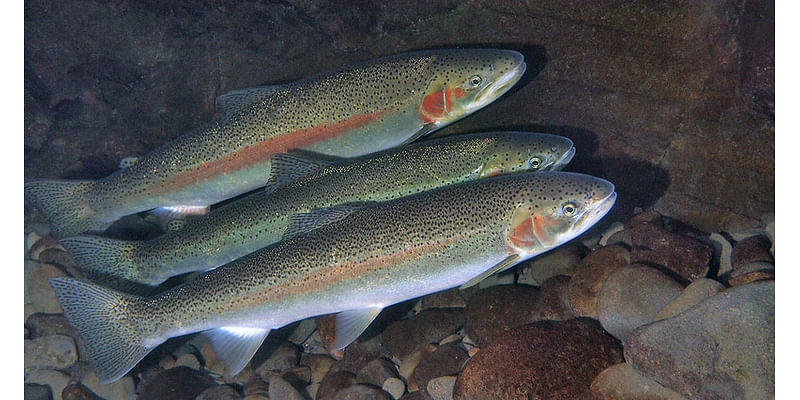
[286, 167]
[307, 222]
[235, 100]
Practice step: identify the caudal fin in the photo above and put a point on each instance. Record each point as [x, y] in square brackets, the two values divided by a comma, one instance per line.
[103, 318]
[65, 205]
[105, 257]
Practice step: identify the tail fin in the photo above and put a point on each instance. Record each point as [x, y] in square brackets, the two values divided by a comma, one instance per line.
[65, 205]
[102, 318]
[102, 256]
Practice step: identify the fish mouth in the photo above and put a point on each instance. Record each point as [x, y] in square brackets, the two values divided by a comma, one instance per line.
[501, 85]
[565, 159]
[596, 213]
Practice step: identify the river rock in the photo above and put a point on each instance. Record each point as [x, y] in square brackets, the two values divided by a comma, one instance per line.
[686, 257]
[751, 249]
[724, 347]
[483, 322]
[418, 395]
[544, 359]
[757, 271]
[219, 392]
[376, 372]
[360, 392]
[50, 352]
[621, 382]
[441, 388]
[333, 382]
[55, 380]
[359, 353]
[76, 391]
[410, 362]
[445, 360]
[121, 389]
[395, 387]
[39, 296]
[320, 364]
[187, 360]
[285, 356]
[326, 331]
[180, 383]
[35, 391]
[554, 299]
[401, 338]
[632, 296]
[255, 386]
[303, 331]
[280, 389]
[562, 260]
[41, 324]
[585, 284]
[696, 292]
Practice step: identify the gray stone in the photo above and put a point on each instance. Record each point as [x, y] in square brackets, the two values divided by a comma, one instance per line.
[621, 382]
[333, 382]
[562, 260]
[724, 347]
[280, 389]
[376, 372]
[220, 392]
[632, 296]
[284, 357]
[319, 364]
[554, 299]
[187, 360]
[50, 352]
[395, 387]
[441, 388]
[696, 292]
[39, 296]
[35, 391]
[303, 331]
[585, 284]
[56, 380]
[123, 388]
[428, 326]
[360, 392]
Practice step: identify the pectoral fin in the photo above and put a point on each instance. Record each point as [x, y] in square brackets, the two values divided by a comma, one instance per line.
[235, 346]
[507, 262]
[350, 324]
[426, 128]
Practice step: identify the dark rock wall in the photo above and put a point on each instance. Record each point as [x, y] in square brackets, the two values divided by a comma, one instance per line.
[672, 101]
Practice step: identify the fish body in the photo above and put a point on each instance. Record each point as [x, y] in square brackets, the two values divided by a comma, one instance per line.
[356, 110]
[264, 217]
[377, 255]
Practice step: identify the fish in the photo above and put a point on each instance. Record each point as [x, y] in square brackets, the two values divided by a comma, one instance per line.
[299, 186]
[377, 255]
[352, 111]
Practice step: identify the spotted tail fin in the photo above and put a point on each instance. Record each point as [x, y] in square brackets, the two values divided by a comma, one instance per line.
[105, 320]
[65, 204]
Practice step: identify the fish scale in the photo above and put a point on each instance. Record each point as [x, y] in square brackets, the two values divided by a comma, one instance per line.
[262, 218]
[350, 112]
[379, 254]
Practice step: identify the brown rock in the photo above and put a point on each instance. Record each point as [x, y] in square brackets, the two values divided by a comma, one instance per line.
[326, 328]
[428, 326]
[450, 298]
[621, 382]
[333, 382]
[648, 216]
[359, 353]
[410, 362]
[632, 296]
[299, 376]
[181, 383]
[563, 260]
[751, 249]
[35, 391]
[554, 299]
[256, 386]
[38, 293]
[418, 395]
[585, 284]
[76, 391]
[361, 392]
[57, 256]
[545, 359]
[497, 309]
[219, 392]
[686, 257]
[280, 389]
[285, 357]
[696, 292]
[751, 277]
[445, 360]
[376, 372]
[319, 364]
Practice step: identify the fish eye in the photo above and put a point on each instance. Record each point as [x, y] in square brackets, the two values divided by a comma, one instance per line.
[475, 80]
[535, 162]
[569, 209]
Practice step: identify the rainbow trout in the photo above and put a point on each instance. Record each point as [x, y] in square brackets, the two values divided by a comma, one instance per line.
[263, 218]
[374, 256]
[353, 111]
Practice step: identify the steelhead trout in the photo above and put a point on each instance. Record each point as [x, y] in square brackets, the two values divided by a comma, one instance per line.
[374, 256]
[353, 111]
[262, 218]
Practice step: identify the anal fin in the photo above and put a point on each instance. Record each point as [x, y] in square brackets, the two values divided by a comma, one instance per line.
[350, 324]
[235, 346]
[507, 262]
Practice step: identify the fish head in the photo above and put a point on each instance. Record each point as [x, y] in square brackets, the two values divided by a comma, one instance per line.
[557, 207]
[525, 151]
[465, 80]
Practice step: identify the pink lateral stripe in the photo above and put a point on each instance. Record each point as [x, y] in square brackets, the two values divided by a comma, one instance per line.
[255, 153]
